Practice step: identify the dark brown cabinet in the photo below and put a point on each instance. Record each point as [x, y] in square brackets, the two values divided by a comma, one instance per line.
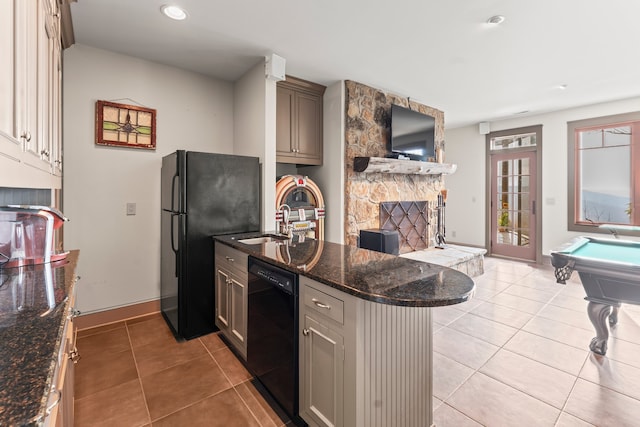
[299, 122]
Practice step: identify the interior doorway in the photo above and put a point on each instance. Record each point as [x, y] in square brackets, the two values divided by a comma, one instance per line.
[514, 182]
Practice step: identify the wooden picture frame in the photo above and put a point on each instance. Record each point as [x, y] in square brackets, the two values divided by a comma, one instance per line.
[122, 125]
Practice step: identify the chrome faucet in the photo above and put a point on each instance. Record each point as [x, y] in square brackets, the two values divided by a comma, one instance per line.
[286, 213]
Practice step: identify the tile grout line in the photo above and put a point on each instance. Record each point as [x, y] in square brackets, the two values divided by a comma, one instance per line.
[216, 361]
[564, 407]
[446, 400]
[135, 362]
[229, 380]
[191, 403]
[248, 407]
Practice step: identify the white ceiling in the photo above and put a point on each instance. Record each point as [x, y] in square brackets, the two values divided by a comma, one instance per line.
[438, 52]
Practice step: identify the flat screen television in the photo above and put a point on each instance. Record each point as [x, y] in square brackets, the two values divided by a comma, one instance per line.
[412, 134]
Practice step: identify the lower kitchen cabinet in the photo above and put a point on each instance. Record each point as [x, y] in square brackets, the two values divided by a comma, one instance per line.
[322, 354]
[60, 408]
[362, 363]
[231, 296]
[323, 373]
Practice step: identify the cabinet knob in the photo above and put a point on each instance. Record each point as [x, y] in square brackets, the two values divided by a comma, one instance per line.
[74, 356]
[45, 153]
[305, 332]
[73, 312]
[229, 259]
[26, 135]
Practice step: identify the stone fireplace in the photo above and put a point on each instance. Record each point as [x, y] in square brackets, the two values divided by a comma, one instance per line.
[367, 124]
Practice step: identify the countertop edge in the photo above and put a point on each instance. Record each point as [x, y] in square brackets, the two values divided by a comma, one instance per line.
[232, 241]
[49, 384]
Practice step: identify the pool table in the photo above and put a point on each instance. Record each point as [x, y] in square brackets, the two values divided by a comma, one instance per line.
[609, 270]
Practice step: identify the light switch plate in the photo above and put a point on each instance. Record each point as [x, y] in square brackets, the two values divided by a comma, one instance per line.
[131, 208]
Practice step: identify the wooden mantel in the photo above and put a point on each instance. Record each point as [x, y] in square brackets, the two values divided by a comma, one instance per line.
[407, 167]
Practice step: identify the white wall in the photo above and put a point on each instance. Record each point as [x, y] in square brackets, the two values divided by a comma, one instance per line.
[255, 132]
[465, 210]
[119, 254]
[467, 192]
[330, 176]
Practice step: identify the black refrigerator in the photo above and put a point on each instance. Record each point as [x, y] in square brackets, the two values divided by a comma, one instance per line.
[203, 194]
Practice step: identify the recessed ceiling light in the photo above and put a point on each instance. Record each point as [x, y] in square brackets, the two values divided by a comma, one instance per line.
[562, 86]
[174, 12]
[521, 112]
[496, 20]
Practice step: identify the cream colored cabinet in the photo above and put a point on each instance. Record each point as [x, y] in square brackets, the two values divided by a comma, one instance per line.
[10, 144]
[231, 296]
[30, 85]
[61, 401]
[299, 122]
[322, 355]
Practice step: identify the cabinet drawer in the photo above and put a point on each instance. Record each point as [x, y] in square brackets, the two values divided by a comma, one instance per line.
[231, 257]
[324, 304]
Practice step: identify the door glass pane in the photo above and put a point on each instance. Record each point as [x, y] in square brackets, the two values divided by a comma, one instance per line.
[513, 141]
[513, 215]
[617, 136]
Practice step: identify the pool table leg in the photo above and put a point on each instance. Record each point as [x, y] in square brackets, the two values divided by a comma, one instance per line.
[613, 317]
[598, 314]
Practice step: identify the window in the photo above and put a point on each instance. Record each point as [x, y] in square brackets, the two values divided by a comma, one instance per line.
[604, 173]
[513, 141]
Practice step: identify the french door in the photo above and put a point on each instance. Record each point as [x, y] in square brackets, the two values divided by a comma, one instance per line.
[513, 204]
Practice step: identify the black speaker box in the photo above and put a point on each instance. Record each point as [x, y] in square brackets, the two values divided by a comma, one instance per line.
[387, 241]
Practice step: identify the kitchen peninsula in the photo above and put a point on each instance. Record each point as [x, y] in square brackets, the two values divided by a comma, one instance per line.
[365, 330]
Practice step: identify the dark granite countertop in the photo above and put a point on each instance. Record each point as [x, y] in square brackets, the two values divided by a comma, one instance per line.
[34, 304]
[366, 274]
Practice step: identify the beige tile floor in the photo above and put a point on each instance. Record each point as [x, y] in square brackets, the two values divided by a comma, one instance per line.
[515, 355]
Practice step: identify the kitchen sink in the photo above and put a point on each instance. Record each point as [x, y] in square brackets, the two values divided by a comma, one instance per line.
[262, 239]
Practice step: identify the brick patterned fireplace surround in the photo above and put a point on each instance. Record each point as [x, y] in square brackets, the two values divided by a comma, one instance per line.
[367, 126]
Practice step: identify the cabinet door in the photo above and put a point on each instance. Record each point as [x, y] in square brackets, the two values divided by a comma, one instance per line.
[238, 315]
[323, 364]
[27, 33]
[309, 126]
[66, 405]
[10, 146]
[54, 85]
[222, 300]
[56, 111]
[284, 122]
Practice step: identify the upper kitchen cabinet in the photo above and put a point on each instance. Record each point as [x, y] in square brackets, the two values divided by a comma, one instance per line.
[30, 84]
[299, 122]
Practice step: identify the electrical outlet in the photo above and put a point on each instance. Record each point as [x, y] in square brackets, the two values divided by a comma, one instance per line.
[131, 208]
[453, 233]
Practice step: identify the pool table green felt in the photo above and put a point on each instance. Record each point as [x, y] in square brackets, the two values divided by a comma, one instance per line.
[609, 252]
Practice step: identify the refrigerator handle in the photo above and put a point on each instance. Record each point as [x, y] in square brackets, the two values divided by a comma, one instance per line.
[173, 243]
[173, 193]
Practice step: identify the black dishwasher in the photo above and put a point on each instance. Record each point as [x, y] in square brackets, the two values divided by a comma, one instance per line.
[272, 333]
